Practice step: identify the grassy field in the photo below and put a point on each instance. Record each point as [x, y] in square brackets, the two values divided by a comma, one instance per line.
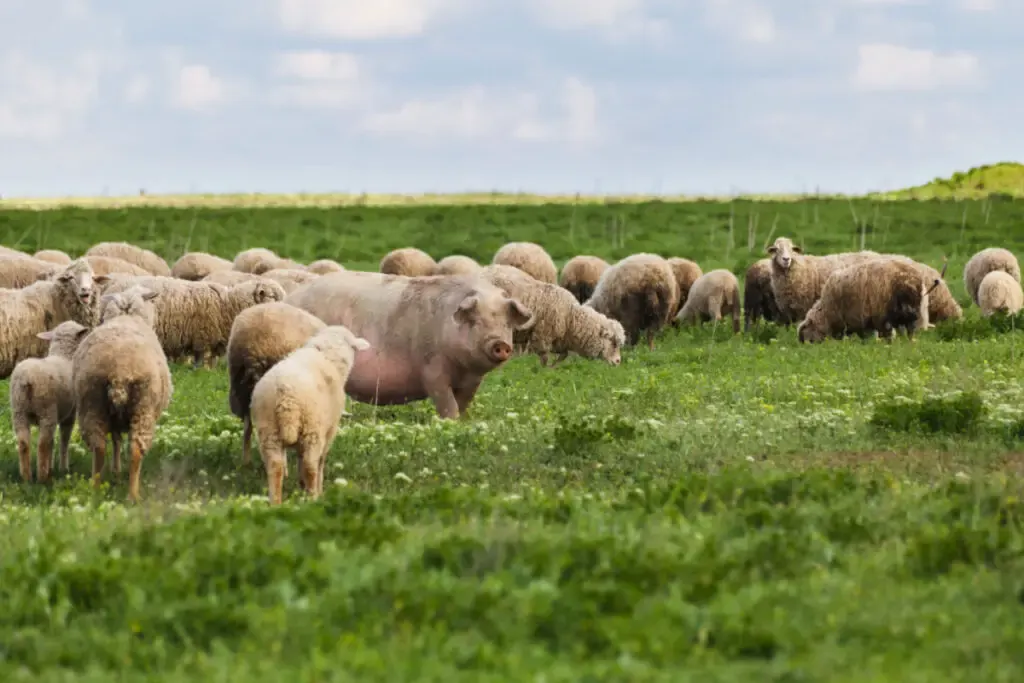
[720, 509]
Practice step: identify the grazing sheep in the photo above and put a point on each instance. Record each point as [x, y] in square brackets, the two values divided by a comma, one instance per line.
[260, 337]
[528, 257]
[562, 325]
[298, 403]
[640, 291]
[941, 304]
[290, 279]
[41, 395]
[580, 275]
[456, 264]
[713, 296]
[983, 263]
[24, 313]
[196, 265]
[230, 278]
[17, 272]
[687, 272]
[880, 295]
[407, 261]
[324, 266]
[121, 382]
[53, 256]
[758, 297]
[998, 291]
[12, 253]
[111, 265]
[143, 258]
[194, 318]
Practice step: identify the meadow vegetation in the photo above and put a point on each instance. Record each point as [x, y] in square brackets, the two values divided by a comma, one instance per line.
[724, 508]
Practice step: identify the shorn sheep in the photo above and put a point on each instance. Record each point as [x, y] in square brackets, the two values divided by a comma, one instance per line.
[640, 291]
[580, 275]
[456, 264]
[260, 337]
[758, 297]
[407, 261]
[121, 381]
[143, 258]
[881, 295]
[528, 257]
[998, 291]
[298, 403]
[687, 272]
[53, 256]
[24, 313]
[562, 325]
[983, 263]
[17, 271]
[713, 296]
[41, 395]
[195, 265]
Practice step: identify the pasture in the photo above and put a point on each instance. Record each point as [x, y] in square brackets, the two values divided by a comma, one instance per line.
[724, 508]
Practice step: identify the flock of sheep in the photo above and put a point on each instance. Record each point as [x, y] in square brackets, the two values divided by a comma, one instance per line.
[90, 339]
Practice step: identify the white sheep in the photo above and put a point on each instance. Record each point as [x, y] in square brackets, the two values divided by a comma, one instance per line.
[528, 257]
[41, 395]
[53, 256]
[687, 272]
[983, 263]
[290, 279]
[259, 260]
[408, 261]
[580, 275]
[230, 278]
[111, 265]
[324, 266]
[298, 403]
[196, 265]
[641, 292]
[143, 258]
[17, 271]
[998, 291]
[714, 295]
[456, 264]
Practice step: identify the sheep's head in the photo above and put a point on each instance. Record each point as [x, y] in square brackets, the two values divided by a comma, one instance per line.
[136, 301]
[613, 338]
[266, 291]
[783, 252]
[811, 330]
[78, 278]
[65, 338]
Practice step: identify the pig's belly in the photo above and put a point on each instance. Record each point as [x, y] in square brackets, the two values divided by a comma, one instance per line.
[385, 379]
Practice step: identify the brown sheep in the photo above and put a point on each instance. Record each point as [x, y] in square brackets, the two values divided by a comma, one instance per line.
[528, 257]
[580, 275]
[687, 272]
[143, 258]
[758, 297]
[196, 265]
[640, 291]
[456, 264]
[407, 261]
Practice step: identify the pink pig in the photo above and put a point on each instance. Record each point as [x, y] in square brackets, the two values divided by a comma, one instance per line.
[432, 336]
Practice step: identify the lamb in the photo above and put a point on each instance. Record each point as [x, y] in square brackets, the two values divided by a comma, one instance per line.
[433, 336]
[562, 324]
[259, 260]
[260, 337]
[24, 313]
[194, 318]
[687, 272]
[580, 275]
[714, 295]
[758, 297]
[324, 266]
[407, 261]
[641, 292]
[17, 272]
[879, 295]
[290, 279]
[456, 264]
[53, 256]
[121, 382]
[196, 265]
[528, 257]
[998, 291]
[143, 258]
[298, 403]
[41, 395]
[230, 278]
[111, 265]
[983, 263]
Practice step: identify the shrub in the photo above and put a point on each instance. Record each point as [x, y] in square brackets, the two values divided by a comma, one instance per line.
[959, 414]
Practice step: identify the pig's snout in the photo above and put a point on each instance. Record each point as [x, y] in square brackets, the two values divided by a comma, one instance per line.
[500, 351]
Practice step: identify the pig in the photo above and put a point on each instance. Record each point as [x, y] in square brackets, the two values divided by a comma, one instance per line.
[431, 336]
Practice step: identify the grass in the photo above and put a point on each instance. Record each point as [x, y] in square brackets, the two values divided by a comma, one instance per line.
[1004, 178]
[720, 509]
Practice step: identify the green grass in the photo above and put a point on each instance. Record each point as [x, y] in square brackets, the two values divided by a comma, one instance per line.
[720, 509]
[1004, 178]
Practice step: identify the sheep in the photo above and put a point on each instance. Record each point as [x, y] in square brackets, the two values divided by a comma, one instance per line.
[407, 261]
[324, 266]
[289, 278]
[17, 272]
[260, 337]
[941, 304]
[53, 256]
[111, 265]
[195, 318]
[121, 382]
[879, 295]
[24, 313]
[563, 325]
[998, 291]
[196, 265]
[714, 295]
[259, 260]
[758, 297]
[528, 257]
[640, 291]
[298, 403]
[456, 264]
[230, 278]
[143, 258]
[12, 253]
[983, 263]
[580, 275]
[41, 395]
[687, 272]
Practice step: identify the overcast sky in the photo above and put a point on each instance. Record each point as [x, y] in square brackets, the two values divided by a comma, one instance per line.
[674, 96]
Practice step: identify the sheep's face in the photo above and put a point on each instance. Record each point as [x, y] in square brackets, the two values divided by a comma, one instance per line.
[136, 302]
[613, 338]
[809, 333]
[266, 292]
[79, 279]
[784, 252]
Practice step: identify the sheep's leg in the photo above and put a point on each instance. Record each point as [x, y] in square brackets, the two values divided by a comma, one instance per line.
[310, 452]
[99, 454]
[274, 462]
[141, 437]
[559, 358]
[323, 459]
[44, 451]
[650, 338]
[543, 355]
[23, 431]
[246, 438]
[66, 427]
[115, 440]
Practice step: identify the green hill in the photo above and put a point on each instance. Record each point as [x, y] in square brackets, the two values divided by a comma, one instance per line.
[1004, 178]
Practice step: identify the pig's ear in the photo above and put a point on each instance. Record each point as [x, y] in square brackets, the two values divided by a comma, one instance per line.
[360, 344]
[520, 316]
[466, 313]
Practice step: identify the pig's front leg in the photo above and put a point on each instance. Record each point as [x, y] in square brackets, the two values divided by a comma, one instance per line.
[464, 395]
[438, 383]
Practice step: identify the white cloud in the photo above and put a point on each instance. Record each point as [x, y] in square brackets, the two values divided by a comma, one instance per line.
[748, 21]
[40, 102]
[197, 88]
[978, 5]
[361, 19]
[884, 67]
[319, 79]
[137, 89]
[318, 65]
[617, 18]
[581, 111]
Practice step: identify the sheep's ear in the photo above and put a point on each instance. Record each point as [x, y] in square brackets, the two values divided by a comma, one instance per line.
[797, 249]
[772, 249]
[149, 295]
[46, 336]
[360, 344]
[101, 279]
[82, 332]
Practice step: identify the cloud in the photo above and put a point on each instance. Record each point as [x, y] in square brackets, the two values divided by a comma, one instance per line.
[319, 79]
[978, 5]
[616, 19]
[885, 67]
[196, 88]
[744, 20]
[361, 19]
[40, 102]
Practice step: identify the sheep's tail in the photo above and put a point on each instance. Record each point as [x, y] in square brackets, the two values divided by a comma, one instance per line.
[906, 302]
[119, 392]
[289, 417]
[241, 380]
[657, 305]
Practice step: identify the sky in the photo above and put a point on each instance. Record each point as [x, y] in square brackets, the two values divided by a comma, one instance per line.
[109, 97]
